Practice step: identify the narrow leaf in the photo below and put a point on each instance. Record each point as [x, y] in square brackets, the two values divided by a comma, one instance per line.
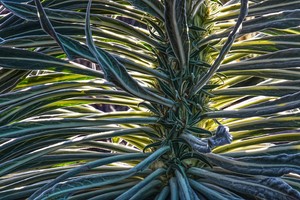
[47, 26]
[211, 194]
[289, 58]
[153, 7]
[163, 194]
[269, 188]
[177, 30]
[282, 100]
[231, 37]
[115, 72]
[289, 159]
[63, 190]
[174, 189]
[27, 60]
[252, 112]
[147, 191]
[184, 186]
[46, 189]
[252, 168]
[132, 191]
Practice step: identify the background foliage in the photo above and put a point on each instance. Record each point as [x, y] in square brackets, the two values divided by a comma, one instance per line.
[203, 99]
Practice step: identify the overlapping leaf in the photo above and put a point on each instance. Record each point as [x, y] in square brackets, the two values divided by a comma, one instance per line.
[56, 143]
[177, 30]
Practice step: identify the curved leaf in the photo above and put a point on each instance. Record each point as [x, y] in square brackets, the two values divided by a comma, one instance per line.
[177, 30]
[116, 72]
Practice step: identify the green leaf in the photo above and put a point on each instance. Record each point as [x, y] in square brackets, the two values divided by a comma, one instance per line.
[9, 78]
[264, 90]
[253, 168]
[18, 1]
[252, 112]
[279, 20]
[46, 189]
[226, 47]
[282, 100]
[177, 30]
[163, 194]
[114, 189]
[287, 74]
[21, 128]
[153, 7]
[74, 49]
[27, 60]
[184, 186]
[20, 160]
[195, 6]
[209, 193]
[267, 44]
[154, 144]
[291, 148]
[63, 190]
[174, 188]
[29, 12]
[258, 9]
[289, 58]
[35, 104]
[47, 26]
[116, 72]
[291, 135]
[148, 190]
[60, 122]
[262, 188]
[196, 155]
[289, 159]
[135, 189]
[149, 160]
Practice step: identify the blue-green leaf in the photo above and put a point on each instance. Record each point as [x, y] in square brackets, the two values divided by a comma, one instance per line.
[27, 60]
[226, 47]
[132, 191]
[153, 7]
[177, 30]
[253, 168]
[259, 187]
[47, 188]
[115, 72]
[257, 111]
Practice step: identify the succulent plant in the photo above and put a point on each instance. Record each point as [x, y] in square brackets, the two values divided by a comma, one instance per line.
[210, 93]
